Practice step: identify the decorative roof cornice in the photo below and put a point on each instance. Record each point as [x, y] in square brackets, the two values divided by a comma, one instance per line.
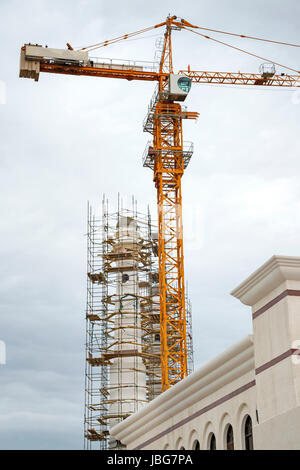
[266, 278]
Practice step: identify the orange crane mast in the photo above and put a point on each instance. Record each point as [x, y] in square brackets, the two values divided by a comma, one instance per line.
[167, 156]
[168, 161]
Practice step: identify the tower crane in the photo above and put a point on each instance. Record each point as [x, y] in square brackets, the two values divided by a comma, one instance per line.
[166, 155]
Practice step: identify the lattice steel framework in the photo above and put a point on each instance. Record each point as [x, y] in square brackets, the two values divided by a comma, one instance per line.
[168, 160]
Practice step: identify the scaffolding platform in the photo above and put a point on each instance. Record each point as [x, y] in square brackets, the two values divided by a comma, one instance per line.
[123, 350]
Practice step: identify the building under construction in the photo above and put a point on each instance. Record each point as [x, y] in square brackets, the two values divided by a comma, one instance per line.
[123, 366]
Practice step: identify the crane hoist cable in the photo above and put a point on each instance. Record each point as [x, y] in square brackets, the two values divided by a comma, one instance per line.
[119, 38]
[244, 36]
[242, 50]
[189, 27]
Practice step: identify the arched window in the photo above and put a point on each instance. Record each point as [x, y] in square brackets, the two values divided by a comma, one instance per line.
[248, 434]
[157, 337]
[179, 444]
[196, 445]
[212, 442]
[229, 438]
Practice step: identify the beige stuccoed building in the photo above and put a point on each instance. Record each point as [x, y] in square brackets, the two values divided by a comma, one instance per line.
[249, 396]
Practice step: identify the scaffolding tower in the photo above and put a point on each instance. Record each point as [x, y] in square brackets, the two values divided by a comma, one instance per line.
[123, 350]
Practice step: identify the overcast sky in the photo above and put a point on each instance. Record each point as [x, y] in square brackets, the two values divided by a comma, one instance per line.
[66, 140]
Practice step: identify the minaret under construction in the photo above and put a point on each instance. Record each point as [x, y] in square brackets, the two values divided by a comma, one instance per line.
[123, 370]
